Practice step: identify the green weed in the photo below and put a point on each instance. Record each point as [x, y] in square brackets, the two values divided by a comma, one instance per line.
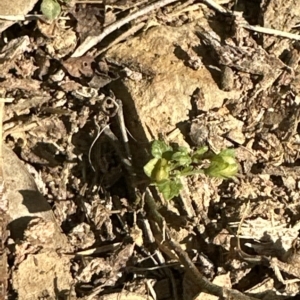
[168, 165]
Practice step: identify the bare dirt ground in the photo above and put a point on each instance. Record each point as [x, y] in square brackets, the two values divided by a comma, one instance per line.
[83, 97]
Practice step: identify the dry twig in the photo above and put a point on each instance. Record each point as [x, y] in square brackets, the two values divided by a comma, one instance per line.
[91, 41]
[3, 215]
[271, 31]
[169, 246]
[122, 37]
[255, 28]
[216, 6]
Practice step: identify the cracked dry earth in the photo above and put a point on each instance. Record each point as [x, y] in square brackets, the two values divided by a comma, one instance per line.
[76, 220]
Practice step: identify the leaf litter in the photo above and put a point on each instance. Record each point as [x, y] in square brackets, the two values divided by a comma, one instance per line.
[80, 210]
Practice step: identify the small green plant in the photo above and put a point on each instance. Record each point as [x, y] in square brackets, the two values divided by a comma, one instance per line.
[51, 8]
[168, 165]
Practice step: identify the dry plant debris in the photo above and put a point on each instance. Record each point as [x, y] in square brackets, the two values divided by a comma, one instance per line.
[84, 96]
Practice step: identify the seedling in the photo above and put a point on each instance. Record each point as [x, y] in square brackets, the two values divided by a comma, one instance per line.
[168, 165]
[51, 8]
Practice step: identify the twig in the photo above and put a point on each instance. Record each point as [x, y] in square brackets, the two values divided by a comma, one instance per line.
[126, 162]
[93, 143]
[186, 8]
[16, 18]
[141, 270]
[91, 41]
[151, 290]
[115, 143]
[4, 218]
[2, 101]
[201, 281]
[255, 259]
[122, 37]
[216, 6]
[198, 279]
[271, 31]
[120, 116]
[256, 28]
[169, 246]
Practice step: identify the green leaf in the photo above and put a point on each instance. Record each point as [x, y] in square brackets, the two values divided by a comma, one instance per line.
[190, 171]
[186, 170]
[201, 150]
[159, 148]
[227, 152]
[182, 150]
[182, 158]
[149, 167]
[161, 170]
[50, 9]
[169, 188]
[157, 169]
[223, 165]
[197, 156]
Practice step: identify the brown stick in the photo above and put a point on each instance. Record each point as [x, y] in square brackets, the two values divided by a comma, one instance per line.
[92, 41]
